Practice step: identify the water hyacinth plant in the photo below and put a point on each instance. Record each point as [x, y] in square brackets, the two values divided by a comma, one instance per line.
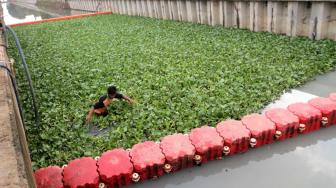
[182, 75]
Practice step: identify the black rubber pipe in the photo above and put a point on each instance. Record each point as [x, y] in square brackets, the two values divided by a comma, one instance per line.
[28, 77]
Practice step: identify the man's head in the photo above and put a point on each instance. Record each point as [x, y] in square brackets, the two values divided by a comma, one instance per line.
[111, 92]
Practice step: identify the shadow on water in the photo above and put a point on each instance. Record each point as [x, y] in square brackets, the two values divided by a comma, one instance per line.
[271, 157]
[95, 130]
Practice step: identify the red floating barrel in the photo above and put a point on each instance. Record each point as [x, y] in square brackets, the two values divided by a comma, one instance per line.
[81, 173]
[49, 177]
[262, 129]
[236, 136]
[178, 150]
[115, 168]
[208, 143]
[148, 159]
[332, 96]
[309, 116]
[327, 108]
[287, 124]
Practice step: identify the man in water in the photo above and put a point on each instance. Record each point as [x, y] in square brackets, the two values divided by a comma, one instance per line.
[100, 108]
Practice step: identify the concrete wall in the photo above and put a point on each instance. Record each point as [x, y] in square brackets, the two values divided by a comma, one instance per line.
[25, 1]
[15, 164]
[314, 19]
[51, 3]
[91, 5]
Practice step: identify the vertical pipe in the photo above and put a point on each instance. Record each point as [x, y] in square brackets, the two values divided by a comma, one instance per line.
[321, 12]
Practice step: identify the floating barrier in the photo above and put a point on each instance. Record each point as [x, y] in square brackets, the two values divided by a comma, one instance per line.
[60, 18]
[115, 168]
[332, 96]
[208, 144]
[80, 173]
[179, 152]
[327, 108]
[309, 117]
[49, 177]
[236, 136]
[262, 129]
[286, 123]
[150, 159]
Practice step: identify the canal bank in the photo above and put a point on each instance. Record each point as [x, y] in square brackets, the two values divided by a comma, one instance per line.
[15, 166]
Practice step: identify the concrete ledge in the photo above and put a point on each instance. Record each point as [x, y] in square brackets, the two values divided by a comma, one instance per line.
[15, 164]
[12, 169]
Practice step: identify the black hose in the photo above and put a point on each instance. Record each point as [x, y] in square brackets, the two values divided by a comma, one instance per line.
[15, 91]
[28, 77]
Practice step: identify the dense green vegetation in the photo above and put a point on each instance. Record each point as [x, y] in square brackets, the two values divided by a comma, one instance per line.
[182, 75]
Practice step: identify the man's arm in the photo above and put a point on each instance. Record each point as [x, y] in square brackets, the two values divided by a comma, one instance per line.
[89, 116]
[128, 99]
[97, 105]
[125, 97]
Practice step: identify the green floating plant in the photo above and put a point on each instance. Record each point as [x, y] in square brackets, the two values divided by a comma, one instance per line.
[182, 75]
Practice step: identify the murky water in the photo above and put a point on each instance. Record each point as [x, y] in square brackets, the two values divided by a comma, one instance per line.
[305, 161]
[17, 14]
[20, 13]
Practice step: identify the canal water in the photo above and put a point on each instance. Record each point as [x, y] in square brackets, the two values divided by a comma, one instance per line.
[307, 161]
[25, 12]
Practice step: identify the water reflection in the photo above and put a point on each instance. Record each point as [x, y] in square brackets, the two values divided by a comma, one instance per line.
[320, 159]
[17, 14]
[26, 12]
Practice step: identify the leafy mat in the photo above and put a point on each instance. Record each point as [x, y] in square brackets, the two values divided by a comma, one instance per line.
[182, 75]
